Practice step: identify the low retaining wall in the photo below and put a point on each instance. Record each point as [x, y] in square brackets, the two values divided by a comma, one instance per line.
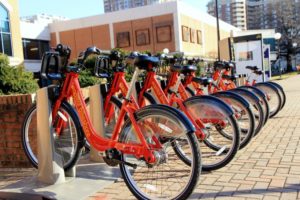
[12, 111]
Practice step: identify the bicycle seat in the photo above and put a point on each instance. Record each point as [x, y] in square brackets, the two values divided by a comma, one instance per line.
[205, 81]
[258, 72]
[144, 62]
[253, 68]
[176, 68]
[54, 76]
[223, 65]
[219, 64]
[73, 69]
[228, 77]
[188, 69]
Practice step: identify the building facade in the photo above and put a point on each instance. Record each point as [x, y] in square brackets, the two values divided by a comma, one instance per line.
[115, 5]
[173, 25]
[10, 40]
[35, 35]
[264, 14]
[230, 11]
[258, 14]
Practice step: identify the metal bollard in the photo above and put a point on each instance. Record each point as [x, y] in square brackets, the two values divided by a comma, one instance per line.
[97, 117]
[50, 169]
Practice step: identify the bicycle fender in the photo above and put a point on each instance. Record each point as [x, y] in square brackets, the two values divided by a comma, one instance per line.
[234, 96]
[177, 114]
[213, 100]
[258, 91]
[248, 93]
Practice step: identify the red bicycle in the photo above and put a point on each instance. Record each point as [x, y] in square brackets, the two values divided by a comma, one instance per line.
[224, 82]
[197, 85]
[208, 114]
[145, 142]
[274, 92]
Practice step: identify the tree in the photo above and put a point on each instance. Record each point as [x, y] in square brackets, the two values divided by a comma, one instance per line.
[285, 14]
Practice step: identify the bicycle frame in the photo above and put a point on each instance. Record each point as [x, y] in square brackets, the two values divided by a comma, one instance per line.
[248, 80]
[198, 88]
[222, 85]
[71, 89]
[152, 83]
[119, 84]
[189, 81]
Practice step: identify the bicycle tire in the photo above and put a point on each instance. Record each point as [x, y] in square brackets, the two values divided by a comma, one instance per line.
[210, 144]
[271, 90]
[281, 92]
[256, 106]
[28, 148]
[223, 110]
[263, 99]
[195, 168]
[243, 105]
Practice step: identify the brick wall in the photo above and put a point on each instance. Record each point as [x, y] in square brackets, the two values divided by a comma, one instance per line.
[12, 111]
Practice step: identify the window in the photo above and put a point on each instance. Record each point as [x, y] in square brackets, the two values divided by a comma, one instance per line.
[5, 35]
[34, 49]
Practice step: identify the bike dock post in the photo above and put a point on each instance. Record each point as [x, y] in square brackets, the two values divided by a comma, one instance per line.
[50, 167]
[97, 117]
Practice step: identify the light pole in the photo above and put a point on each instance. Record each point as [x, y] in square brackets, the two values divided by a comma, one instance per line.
[277, 37]
[294, 55]
[218, 27]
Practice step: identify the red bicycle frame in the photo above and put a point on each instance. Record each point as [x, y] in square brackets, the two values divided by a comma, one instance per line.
[152, 83]
[119, 84]
[222, 84]
[71, 89]
[189, 81]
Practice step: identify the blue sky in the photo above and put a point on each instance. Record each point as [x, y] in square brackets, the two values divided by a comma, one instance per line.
[75, 9]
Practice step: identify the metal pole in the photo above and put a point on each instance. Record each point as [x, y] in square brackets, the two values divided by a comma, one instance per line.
[218, 27]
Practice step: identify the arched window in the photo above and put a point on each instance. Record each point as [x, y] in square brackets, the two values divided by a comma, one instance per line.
[5, 34]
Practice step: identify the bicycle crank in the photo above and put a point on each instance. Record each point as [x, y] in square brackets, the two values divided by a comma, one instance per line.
[112, 157]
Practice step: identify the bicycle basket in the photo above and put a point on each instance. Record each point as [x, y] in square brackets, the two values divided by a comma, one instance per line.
[50, 68]
[101, 69]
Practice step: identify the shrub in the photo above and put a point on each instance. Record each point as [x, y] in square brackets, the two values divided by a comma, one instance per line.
[15, 80]
[87, 77]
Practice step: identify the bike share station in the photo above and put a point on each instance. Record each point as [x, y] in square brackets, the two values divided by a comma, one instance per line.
[52, 182]
[248, 50]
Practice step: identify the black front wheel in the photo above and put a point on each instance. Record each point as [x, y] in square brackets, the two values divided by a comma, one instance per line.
[171, 178]
[217, 150]
[273, 97]
[67, 143]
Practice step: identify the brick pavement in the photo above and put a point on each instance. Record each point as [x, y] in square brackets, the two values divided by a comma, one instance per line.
[268, 168]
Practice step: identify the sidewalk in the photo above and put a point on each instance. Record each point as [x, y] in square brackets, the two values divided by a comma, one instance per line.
[268, 168]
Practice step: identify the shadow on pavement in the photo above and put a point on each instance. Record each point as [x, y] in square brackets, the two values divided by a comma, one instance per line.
[288, 189]
[22, 196]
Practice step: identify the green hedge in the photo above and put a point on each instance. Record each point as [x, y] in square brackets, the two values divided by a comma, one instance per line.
[15, 80]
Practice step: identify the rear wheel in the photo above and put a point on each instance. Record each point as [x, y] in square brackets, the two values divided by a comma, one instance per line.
[263, 100]
[215, 115]
[171, 178]
[67, 143]
[243, 114]
[255, 106]
[273, 97]
[281, 92]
